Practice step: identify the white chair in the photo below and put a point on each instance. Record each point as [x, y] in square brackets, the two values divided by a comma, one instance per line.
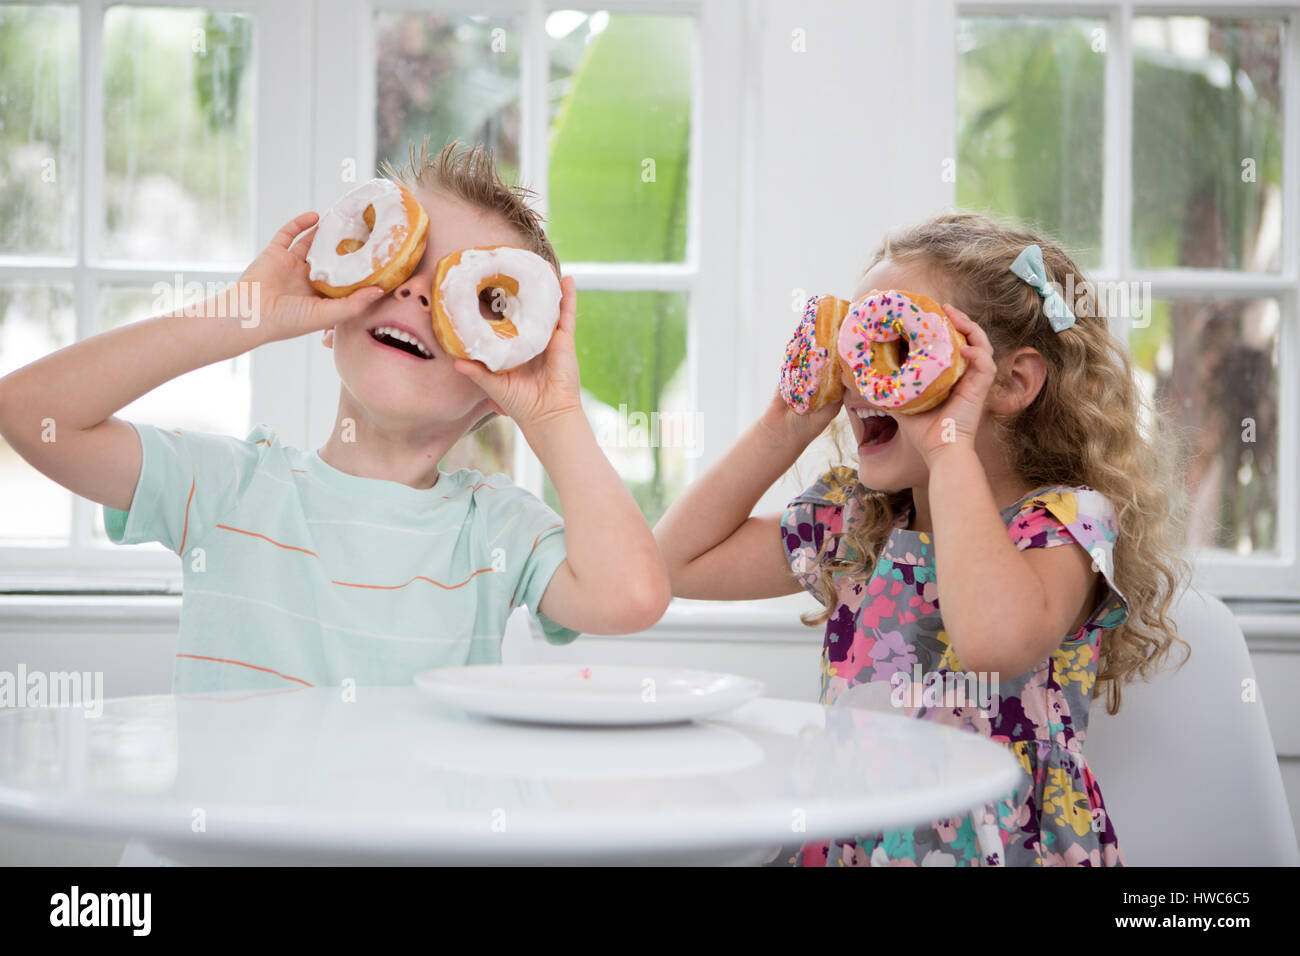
[1187, 768]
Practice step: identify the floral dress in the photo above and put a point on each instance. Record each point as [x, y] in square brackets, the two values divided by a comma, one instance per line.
[890, 622]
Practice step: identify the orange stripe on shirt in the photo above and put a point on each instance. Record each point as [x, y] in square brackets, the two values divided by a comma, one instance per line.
[535, 540]
[186, 530]
[350, 584]
[539, 535]
[481, 484]
[254, 534]
[222, 660]
[418, 577]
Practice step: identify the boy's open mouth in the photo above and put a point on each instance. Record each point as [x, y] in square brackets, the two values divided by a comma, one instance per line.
[402, 341]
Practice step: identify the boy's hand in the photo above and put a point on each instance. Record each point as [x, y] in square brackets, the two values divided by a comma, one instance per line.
[545, 386]
[285, 304]
[955, 420]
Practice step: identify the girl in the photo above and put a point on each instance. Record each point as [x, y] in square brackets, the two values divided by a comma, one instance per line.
[963, 508]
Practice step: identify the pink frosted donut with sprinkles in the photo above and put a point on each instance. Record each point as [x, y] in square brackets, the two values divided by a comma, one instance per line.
[903, 352]
[810, 377]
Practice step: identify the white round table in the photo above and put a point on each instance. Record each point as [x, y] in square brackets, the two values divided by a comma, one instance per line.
[305, 777]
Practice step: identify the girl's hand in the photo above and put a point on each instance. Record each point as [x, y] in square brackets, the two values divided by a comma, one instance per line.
[787, 427]
[955, 420]
[544, 387]
[284, 303]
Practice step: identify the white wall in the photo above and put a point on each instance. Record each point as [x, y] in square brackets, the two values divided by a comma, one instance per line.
[826, 186]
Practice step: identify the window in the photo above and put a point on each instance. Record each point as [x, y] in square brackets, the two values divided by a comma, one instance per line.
[149, 150]
[593, 110]
[450, 75]
[127, 176]
[618, 186]
[1152, 144]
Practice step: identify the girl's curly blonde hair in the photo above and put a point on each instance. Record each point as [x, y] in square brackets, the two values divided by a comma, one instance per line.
[1089, 425]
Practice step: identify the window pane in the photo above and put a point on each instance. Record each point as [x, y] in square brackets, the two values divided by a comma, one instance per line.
[452, 77]
[214, 398]
[1207, 143]
[178, 127]
[620, 136]
[447, 77]
[1215, 364]
[631, 356]
[1030, 95]
[35, 320]
[489, 449]
[38, 129]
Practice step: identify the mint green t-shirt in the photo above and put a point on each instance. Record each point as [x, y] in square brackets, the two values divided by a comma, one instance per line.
[296, 573]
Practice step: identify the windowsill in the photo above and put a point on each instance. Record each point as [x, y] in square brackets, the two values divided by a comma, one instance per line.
[1269, 626]
[773, 620]
[53, 611]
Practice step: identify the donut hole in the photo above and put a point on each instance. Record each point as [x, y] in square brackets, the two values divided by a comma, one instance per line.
[888, 357]
[496, 298]
[492, 303]
[348, 246]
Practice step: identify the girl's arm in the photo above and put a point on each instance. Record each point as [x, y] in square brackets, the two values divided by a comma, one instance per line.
[714, 548]
[1004, 609]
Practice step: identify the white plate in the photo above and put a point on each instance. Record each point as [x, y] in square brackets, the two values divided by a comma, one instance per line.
[599, 694]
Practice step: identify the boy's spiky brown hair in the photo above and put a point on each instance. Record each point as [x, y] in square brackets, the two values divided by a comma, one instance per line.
[469, 173]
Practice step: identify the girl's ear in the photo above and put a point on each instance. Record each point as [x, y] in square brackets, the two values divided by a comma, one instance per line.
[1020, 379]
[327, 339]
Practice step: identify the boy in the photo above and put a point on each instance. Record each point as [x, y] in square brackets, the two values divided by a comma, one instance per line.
[360, 560]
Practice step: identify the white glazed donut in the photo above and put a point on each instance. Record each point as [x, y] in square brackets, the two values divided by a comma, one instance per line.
[375, 235]
[517, 288]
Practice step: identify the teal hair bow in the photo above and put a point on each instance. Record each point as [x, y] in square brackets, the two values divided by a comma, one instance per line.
[1029, 266]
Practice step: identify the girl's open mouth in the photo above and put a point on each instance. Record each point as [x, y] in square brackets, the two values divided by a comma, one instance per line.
[878, 430]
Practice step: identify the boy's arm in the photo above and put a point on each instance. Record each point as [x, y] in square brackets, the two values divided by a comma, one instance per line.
[58, 411]
[613, 579]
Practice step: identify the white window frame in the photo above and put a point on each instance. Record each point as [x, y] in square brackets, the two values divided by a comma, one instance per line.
[345, 80]
[280, 143]
[1221, 573]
